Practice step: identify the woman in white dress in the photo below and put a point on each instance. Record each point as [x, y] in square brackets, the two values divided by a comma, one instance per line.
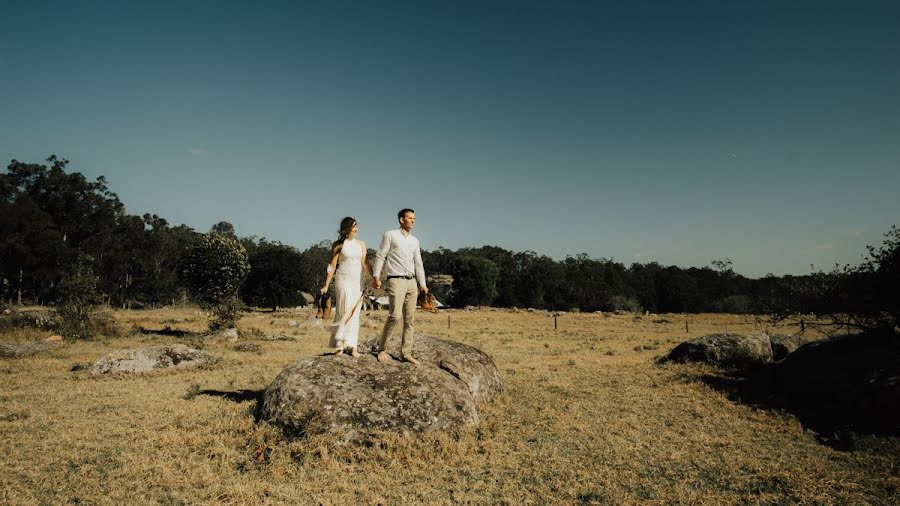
[348, 260]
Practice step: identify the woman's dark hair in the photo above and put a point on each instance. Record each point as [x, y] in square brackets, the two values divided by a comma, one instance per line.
[346, 226]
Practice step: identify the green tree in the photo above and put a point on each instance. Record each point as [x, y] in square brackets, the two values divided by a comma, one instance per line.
[78, 297]
[223, 228]
[214, 269]
[475, 280]
[47, 216]
[276, 275]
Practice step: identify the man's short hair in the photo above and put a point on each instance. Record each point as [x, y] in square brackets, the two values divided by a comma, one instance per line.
[403, 212]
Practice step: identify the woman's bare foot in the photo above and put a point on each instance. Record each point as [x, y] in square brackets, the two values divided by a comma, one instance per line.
[339, 352]
[353, 352]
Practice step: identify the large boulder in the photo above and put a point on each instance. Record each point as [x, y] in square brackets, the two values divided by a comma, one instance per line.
[734, 351]
[835, 385]
[783, 345]
[332, 394]
[472, 366]
[140, 360]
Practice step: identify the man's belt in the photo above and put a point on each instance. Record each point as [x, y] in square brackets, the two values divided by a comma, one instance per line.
[401, 277]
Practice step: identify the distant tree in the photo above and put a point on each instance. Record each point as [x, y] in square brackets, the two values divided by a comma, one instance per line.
[541, 282]
[643, 279]
[223, 228]
[475, 280]
[678, 291]
[313, 262]
[878, 293]
[48, 216]
[276, 276]
[723, 265]
[214, 269]
[863, 297]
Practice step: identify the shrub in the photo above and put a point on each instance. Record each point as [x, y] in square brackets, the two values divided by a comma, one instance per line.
[214, 268]
[78, 297]
[625, 303]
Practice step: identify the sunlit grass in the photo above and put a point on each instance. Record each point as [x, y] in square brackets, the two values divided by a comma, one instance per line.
[586, 416]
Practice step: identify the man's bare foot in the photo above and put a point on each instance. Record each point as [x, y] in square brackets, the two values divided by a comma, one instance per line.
[339, 352]
[353, 352]
[411, 360]
[383, 356]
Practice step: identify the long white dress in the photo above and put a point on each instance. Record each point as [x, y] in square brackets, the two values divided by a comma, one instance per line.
[347, 292]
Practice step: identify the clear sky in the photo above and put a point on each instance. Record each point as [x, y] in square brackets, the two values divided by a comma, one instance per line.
[677, 132]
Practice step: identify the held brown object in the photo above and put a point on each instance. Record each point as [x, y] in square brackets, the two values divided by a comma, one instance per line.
[323, 306]
[426, 302]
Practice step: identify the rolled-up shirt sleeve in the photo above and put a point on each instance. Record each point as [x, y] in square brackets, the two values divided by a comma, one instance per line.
[420, 267]
[381, 254]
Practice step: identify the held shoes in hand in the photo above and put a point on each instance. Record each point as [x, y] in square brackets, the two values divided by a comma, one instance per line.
[426, 302]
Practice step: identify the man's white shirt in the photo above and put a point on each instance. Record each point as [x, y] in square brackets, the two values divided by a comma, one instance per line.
[399, 255]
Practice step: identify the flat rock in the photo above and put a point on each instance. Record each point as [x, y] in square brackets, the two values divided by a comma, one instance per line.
[469, 364]
[724, 350]
[333, 394]
[277, 337]
[140, 360]
[248, 347]
[26, 349]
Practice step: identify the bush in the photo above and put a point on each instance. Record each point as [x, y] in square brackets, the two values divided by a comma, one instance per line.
[214, 268]
[77, 300]
[624, 303]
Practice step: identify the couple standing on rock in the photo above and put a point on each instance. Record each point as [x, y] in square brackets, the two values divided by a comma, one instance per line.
[401, 259]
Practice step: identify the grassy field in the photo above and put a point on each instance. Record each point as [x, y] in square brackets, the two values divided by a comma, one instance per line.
[586, 417]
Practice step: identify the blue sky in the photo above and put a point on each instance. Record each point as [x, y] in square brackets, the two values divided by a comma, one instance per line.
[677, 132]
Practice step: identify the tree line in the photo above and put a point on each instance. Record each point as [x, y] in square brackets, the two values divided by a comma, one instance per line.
[50, 217]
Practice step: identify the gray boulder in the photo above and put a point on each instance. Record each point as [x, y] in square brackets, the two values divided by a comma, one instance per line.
[469, 364]
[335, 394]
[724, 350]
[783, 345]
[26, 349]
[174, 356]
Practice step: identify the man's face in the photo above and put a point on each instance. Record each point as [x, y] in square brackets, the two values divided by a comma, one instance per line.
[408, 221]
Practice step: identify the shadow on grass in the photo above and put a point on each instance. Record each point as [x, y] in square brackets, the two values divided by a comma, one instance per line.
[240, 396]
[168, 331]
[845, 389]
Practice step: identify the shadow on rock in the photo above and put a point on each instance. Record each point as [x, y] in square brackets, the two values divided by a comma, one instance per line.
[837, 387]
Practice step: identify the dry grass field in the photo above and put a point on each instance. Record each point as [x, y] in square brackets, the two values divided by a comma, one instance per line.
[586, 417]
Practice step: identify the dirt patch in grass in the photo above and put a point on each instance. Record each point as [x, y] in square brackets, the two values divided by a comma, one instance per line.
[585, 417]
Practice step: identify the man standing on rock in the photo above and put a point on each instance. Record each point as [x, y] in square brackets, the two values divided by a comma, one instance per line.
[400, 257]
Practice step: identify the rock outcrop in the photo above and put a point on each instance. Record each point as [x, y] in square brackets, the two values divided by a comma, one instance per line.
[330, 394]
[338, 393]
[469, 364]
[783, 345]
[850, 380]
[733, 351]
[140, 360]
